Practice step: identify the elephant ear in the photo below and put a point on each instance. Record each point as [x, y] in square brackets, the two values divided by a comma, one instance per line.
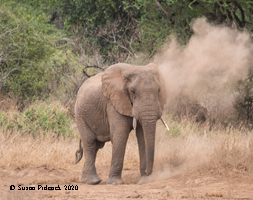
[113, 87]
[162, 94]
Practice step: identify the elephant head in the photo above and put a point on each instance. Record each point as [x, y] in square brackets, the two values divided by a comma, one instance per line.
[138, 92]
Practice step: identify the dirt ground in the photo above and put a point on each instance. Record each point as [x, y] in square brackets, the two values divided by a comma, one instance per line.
[190, 185]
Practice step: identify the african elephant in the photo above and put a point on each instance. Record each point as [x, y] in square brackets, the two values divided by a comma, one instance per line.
[111, 104]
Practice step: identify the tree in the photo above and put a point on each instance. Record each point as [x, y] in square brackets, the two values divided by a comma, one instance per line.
[4, 69]
[122, 28]
[25, 41]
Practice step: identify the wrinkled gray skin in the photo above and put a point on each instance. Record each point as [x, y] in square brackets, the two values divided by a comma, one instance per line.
[104, 111]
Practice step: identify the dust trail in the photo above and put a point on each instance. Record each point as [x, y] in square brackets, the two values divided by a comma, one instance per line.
[215, 56]
[202, 150]
[214, 59]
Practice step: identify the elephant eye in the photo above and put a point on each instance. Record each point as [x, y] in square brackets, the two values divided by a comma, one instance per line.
[159, 90]
[133, 92]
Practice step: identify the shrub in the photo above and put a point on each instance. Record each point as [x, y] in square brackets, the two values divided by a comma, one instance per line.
[39, 119]
[26, 40]
[244, 101]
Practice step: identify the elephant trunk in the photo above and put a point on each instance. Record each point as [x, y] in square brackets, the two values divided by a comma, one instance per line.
[148, 122]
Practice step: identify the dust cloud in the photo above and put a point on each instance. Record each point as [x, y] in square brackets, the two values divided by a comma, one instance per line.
[208, 66]
[221, 151]
[215, 57]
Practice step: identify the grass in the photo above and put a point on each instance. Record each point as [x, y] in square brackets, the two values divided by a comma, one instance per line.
[186, 146]
[19, 151]
[199, 146]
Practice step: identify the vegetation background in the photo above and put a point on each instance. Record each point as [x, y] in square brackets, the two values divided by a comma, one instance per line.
[48, 48]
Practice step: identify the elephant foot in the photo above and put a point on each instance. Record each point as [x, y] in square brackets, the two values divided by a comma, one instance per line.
[91, 180]
[115, 181]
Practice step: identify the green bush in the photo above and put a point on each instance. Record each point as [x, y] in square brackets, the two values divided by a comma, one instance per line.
[39, 119]
[26, 41]
[243, 103]
[120, 29]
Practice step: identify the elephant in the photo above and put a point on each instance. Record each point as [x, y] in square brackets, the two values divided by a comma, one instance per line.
[111, 104]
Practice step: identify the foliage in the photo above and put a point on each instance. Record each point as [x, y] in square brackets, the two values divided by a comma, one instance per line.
[39, 119]
[25, 41]
[109, 25]
[38, 7]
[116, 30]
[162, 18]
[39, 57]
[122, 28]
[68, 73]
[244, 101]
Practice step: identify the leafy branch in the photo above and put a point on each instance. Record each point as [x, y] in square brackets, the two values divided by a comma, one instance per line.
[5, 70]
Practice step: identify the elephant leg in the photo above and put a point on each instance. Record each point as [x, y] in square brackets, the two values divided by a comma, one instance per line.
[118, 153]
[89, 173]
[90, 147]
[142, 152]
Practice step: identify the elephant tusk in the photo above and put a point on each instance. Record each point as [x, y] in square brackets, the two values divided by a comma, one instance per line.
[134, 123]
[165, 123]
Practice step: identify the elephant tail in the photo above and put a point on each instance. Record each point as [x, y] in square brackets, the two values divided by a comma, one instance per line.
[79, 152]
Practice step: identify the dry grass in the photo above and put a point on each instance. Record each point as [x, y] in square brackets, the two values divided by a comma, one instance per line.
[24, 143]
[227, 152]
[186, 146]
[190, 147]
[25, 151]
[7, 104]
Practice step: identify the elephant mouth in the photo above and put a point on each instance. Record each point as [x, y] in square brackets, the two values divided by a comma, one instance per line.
[163, 121]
